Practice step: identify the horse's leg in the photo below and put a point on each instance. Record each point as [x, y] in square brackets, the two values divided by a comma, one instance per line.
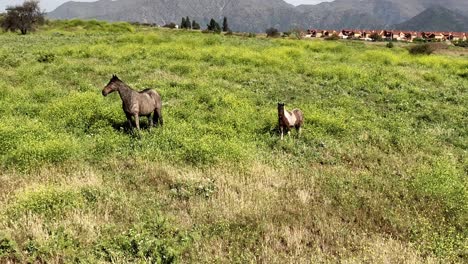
[150, 121]
[160, 117]
[282, 132]
[155, 117]
[137, 121]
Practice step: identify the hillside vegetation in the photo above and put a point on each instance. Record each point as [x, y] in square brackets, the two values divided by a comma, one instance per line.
[378, 176]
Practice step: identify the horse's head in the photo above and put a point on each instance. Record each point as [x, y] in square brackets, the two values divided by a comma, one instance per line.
[112, 86]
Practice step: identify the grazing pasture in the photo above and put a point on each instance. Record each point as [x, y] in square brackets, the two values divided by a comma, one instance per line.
[379, 174]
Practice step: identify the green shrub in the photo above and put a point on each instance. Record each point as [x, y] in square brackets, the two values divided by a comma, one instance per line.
[376, 37]
[332, 37]
[46, 57]
[419, 40]
[251, 35]
[461, 43]
[153, 241]
[8, 247]
[170, 25]
[272, 32]
[390, 45]
[422, 49]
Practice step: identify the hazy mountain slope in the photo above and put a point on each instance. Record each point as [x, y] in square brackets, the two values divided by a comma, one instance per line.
[257, 15]
[371, 13]
[245, 15]
[436, 18]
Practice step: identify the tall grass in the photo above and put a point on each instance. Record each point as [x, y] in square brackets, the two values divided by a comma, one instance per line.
[378, 175]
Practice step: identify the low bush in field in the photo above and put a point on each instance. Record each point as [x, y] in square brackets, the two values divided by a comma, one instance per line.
[332, 37]
[463, 44]
[273, 32]
[422, 49]
[152, 241]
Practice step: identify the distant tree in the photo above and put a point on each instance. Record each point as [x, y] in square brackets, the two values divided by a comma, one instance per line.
[195, 25]
[188, 23]
[375, 37]
[183, 23]
[272, 32]
[23, 17]
[225, 25]
[214, 26]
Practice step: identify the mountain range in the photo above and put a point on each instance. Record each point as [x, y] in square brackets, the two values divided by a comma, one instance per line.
[257, 15]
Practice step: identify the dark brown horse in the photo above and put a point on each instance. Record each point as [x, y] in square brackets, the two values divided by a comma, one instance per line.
[289, 119]
[136, 104]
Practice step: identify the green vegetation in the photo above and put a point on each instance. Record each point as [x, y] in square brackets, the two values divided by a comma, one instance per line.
[23, 18]
[213, 26]
[425, 49]
[461, 43]
[390, 45]
[272, 32]
[379, 174]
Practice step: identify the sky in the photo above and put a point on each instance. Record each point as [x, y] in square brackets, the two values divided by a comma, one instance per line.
[50, 5]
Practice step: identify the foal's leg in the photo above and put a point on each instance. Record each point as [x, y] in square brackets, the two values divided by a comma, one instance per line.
[299, 131]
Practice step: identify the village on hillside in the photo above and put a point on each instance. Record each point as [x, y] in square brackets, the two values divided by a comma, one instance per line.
[389, 35]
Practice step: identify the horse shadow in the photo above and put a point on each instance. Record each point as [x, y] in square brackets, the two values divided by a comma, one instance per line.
[124, 127]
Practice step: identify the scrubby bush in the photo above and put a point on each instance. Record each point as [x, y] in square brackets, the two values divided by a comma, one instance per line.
[272, 32]
[461, 43]
[419, 40]
[152, 241]
[46, 57]
[170, 25]
[424, 49]
[390, 45]
[332, 37]
[375, 37]
[8, 248]
[297, 33]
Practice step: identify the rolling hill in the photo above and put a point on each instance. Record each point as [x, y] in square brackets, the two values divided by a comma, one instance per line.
[436, 18]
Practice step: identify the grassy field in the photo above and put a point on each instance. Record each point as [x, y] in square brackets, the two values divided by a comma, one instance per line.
[378, 176]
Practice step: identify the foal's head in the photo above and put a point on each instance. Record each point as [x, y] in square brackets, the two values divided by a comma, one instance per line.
[280, 107]
[112, 86]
